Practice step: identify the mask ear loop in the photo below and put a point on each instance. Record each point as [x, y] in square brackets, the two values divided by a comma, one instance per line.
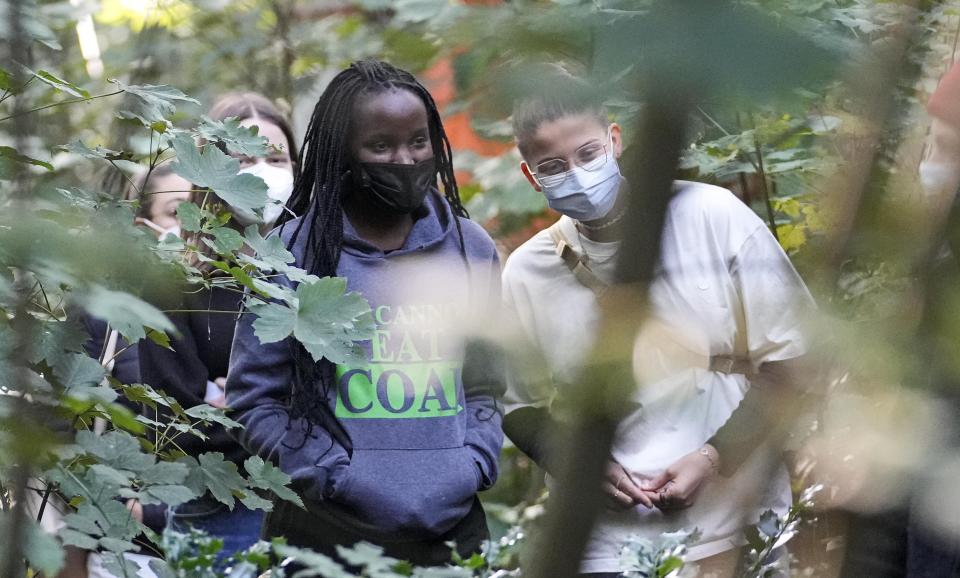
[536, 178]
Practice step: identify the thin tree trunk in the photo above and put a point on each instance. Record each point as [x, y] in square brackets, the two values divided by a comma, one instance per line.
[12, 566]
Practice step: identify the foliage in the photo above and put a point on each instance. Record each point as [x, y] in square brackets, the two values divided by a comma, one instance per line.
[645, 558]
[76, 254]
[766, 540]
[69, 249]
[193, 555]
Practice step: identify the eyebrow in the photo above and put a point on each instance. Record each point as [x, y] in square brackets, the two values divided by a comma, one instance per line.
[377, 136]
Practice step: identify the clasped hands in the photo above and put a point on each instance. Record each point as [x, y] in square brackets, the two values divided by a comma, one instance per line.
[675, 488]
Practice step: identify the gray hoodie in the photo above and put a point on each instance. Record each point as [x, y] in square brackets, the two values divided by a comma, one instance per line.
[422, 417]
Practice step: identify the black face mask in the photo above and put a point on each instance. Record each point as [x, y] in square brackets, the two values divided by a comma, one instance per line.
[395, 188]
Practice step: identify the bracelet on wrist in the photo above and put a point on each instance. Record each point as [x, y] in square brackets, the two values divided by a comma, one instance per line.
[712, 456]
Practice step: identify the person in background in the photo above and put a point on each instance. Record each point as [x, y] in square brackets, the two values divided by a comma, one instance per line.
[392, 449]
[726, 310]
[194, 370]
[159, 198]
[912, 539]
[158, 192]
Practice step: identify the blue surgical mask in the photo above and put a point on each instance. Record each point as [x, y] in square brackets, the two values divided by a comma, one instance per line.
[585, 195]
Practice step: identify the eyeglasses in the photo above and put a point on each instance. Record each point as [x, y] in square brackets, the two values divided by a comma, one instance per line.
[589, 157]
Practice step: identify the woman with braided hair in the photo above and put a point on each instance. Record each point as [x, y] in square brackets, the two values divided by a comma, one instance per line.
[392, 450]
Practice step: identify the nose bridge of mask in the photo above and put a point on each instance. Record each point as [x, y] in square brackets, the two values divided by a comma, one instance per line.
[584, 177]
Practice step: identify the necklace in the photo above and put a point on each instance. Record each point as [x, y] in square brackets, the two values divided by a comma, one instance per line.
[616, 219]
[587, 258]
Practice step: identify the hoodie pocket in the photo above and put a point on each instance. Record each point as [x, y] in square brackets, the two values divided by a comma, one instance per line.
[408, 494]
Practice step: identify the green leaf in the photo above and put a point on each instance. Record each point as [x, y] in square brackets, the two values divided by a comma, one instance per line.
[251, 500]
[125, 313]
[78, 148]
[212, 168]
[42, 550]
[103, 517]
[669, 565]
[154, 103]
[315, 565]
[165, 473]
[78, 370]
[12, 154]
[769, 524]
[210, 414]
[326, 320]
[273, 256]
[71, 537]
[82, 399]
[172, 495]
[6, 80]
[266, 476]
[367, 556]
[60, 84]
[121, 417]
[239, 275]
[792, 237]
[116, 564]
[189, 215]
[38, 30]
[270, 251]
[111, 475]
[226, 240]
[272, 290]
[160, 338]
[143, 393]
[82, 523]
[211, 473]
[239, 139]
[56, 340]
[117, 545]
[116, 449]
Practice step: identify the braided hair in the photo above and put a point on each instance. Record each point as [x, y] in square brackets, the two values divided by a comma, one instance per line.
[317, 193]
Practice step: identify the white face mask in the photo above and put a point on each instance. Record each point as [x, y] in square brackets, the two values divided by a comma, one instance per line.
[585, 195]
[937, 176]
[279, 188]
[166, 235]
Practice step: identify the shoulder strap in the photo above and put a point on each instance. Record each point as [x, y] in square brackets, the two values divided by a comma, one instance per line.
[731, 365]
[575, 262]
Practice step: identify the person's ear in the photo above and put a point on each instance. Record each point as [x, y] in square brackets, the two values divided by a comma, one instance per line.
[617, 138]
[525, 169]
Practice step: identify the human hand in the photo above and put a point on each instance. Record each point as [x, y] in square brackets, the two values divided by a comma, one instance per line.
[621, 489]
[676, 487]
[216, 393]
[136, 510]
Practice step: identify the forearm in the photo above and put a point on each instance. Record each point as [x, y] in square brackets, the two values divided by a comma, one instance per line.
[766, 414]
[258, 387]
[532, 430]
[484, 436]
[303, 450]
[484, 382]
